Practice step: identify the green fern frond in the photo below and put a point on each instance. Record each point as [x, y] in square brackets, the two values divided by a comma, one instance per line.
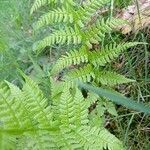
[97, 31]
[81, 109]
[90, 8]
[14, 90]
[39, 3]
[73, 109]
[41, 139]
[7, 141]
[56, 89]
[25, 121]
[110, 78]
[37, 104]
[97, 139]
[55, 16]
[72, 58]
[10, 117]
[84, 74]
[63, 123]
[109, 53]
[64, 36]
[66, 106]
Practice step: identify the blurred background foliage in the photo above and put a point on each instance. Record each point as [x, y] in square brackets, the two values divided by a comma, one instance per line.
[16, 37]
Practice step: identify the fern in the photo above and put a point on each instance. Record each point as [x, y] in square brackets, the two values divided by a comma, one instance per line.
[56, 16]
[94, 60]
[39, 3]
[77, 17]
[28, 121]
[109, 53]
[67, 35]
[110, 78]
[96, 32]
[73, 26]
[72, 58]
[82, 74]
[90, 7]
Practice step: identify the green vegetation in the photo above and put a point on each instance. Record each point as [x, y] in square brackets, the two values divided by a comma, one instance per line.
[76, 63]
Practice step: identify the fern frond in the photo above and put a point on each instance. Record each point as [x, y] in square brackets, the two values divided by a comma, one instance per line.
[25, 121]
[97, 139]
[109, 53]
[56, 89]
[10, 117]
[41, 139]
[111, 78]
[97, 31]
[68, 35]
[7, 141]
[84, 74]
[15, 92]
[36, 104]
[73, 109]
[71, 58]
[55, 16]
[90, 7]
[66, 107]
[39, 3]
[81, 109]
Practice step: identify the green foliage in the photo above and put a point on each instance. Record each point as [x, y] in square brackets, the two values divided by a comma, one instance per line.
[73, 25]
[117, 98]
[29, 121]
[77, 29]
[15, 38]
[110, 78]
[39, 3]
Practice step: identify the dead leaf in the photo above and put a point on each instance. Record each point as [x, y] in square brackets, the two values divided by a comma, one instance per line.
[136, 21]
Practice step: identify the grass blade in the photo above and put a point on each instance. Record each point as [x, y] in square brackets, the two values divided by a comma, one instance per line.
[117, 98]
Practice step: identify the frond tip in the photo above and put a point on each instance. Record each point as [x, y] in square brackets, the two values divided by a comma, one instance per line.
[109, 53]
[111, 78]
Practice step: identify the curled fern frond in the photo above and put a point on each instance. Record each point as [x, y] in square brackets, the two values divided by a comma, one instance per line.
[109, 53]
[111, 78]
[55, 16]
[84, 74]
[68, 36]
[72, 58]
